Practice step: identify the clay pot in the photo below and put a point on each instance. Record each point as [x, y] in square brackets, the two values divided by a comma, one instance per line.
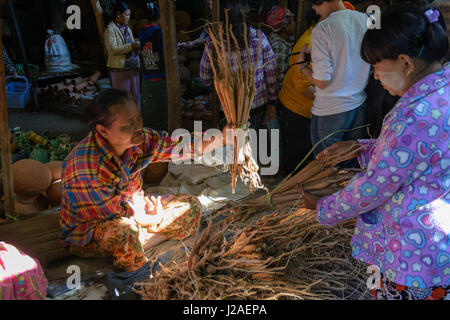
[55, 168]
[40, 204]
[182, 20]
[188, 114]
[54, 194]
[198, 107]
[155, 172]
[207, 115]
[30, 178]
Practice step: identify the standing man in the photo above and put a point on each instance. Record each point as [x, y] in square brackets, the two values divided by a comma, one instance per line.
[338, 73]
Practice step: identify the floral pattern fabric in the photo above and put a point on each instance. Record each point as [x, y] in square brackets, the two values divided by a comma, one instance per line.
[124, 239]
[21, 276]
[403, 200]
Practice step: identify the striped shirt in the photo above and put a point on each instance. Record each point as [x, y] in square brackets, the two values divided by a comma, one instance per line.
[266, 78]
[97, 185]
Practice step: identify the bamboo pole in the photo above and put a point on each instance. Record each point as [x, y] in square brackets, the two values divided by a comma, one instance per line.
[171, 63]
[5, 146]
[100, 25]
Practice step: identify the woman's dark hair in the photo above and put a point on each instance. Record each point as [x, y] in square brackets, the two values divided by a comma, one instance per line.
[237, 16]
[120, 7]
[311, 17]
[406, 30]
[153, 11]
[111, 12]
[99, 110]
[319, 2]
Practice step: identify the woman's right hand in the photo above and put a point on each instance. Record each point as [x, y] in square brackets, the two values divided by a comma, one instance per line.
[341, 151]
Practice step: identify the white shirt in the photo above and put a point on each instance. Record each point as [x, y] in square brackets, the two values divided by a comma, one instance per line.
[335, 55]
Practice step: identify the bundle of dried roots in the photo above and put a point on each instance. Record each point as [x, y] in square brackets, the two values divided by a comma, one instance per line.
[235, 87]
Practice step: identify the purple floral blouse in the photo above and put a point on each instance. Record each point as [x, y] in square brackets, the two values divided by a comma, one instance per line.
[403, 202]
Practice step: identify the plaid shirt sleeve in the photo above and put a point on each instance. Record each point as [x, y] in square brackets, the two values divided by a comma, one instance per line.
[89, 202]
[270, 69]
[162, 147]
[206, 72]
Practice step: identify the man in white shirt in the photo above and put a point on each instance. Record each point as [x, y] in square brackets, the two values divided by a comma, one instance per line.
[338, 73]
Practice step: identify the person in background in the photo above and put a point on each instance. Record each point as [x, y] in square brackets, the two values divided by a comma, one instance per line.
[281, 20]
[123, 59]
[154, 87]
[402, 199]
[294, 105]
[338, 73]
[266, 78]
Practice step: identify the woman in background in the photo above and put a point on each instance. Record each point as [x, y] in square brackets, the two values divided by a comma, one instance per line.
[123, 61]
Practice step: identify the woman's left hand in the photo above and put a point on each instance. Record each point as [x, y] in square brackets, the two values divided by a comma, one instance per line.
[302, 55]
[310, 200]
[230, 126]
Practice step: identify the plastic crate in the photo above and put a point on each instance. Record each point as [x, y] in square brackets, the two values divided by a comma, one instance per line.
[17, 92]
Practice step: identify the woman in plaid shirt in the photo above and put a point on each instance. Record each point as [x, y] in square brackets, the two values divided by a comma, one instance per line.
[104, 211]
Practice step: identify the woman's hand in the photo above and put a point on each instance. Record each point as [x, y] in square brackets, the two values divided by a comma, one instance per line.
[230, 126]
[302, 55]
[153, 211]
[340, 151]
[310, 200]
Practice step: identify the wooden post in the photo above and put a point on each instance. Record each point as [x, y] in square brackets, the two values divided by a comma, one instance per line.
[100, 24]
[215, 98]
[171, 63]
[301, 26]
[5, 146]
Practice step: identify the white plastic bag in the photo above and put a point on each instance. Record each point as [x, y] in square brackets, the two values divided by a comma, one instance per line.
[57, 56]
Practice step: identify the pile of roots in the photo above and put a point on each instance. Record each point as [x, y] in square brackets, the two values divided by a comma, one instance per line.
[247, 253]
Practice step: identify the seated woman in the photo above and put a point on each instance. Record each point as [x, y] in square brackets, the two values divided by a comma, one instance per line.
[103, 210]
[402, 201]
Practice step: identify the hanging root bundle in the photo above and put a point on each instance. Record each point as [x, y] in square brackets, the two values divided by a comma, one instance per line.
[235, 87]
[284, 255]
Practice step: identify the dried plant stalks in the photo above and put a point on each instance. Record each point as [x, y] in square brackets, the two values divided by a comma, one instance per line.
[284, 255]
[235, 87]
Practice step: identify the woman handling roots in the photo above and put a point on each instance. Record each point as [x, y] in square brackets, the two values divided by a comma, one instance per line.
[104, 211]
[403, 201]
